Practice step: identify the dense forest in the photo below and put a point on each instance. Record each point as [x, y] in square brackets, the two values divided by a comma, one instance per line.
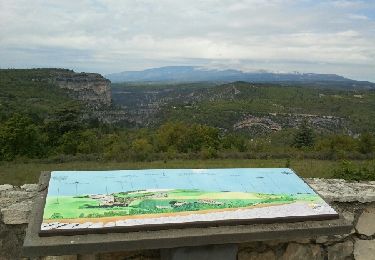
[39, 121]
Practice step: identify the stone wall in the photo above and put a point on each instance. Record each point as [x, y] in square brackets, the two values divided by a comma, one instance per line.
[15, 206]
[356, 201]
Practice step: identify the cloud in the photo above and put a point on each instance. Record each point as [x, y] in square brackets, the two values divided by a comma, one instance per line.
[109, 35]
[348, 3]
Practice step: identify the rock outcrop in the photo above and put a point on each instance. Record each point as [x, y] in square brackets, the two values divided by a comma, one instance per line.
[92, 88]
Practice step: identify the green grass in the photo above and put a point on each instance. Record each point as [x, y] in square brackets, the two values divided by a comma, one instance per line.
[18, 173]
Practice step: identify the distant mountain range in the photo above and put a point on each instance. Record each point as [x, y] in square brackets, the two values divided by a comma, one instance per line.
[185, 74]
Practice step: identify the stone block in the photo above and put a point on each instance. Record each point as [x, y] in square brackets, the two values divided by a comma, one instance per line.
[30, 187]
[343, 191]
[322, 239]
[331, 239]
[6, 202]
[5, 187]
[17, 213]
[364, 249]
[340, 250]
[349, 216]
[246, 255]
[366, 222]
[19, 195]
[296, 251]
[11, 239]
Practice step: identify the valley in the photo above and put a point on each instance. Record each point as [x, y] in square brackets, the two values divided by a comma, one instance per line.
[247, 107]
[59, 119]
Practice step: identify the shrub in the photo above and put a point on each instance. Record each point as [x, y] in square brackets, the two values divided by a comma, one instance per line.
[304, 137]
[349, 171]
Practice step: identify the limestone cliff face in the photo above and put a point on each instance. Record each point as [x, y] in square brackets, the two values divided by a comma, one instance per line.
[92, 88]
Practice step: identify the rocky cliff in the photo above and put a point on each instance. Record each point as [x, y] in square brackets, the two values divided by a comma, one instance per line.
[92, 88]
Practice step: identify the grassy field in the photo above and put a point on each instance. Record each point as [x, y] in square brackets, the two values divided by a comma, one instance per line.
[17, 173]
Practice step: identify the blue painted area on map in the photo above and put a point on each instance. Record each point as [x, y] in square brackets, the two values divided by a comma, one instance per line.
[259, 180]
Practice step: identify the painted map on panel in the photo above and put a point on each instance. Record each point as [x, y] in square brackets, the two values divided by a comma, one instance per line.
[108, 200]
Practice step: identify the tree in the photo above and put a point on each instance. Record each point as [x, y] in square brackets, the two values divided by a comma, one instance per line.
[20, 137]
[63, 120]
[69, 142]
[186, 138]
[115, 146]
[304, 136]
[366, 143]
[88, 142]
[234, 142]
[171, 135]
[141, 149]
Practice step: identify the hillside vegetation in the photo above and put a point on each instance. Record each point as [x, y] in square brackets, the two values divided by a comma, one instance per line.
[41, 123]
[31, 93]
[223, 106]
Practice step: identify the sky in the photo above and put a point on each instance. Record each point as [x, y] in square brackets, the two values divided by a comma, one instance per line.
[260, 180]
[321, 36]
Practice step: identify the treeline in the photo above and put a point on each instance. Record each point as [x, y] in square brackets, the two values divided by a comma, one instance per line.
[65, 135]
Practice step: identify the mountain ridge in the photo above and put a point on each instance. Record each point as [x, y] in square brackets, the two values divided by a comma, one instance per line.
[188, 74]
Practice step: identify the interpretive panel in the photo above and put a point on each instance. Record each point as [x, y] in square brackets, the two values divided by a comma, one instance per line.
[121, 200]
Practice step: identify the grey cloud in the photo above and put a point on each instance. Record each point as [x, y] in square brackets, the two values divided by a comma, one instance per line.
[110, 36]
